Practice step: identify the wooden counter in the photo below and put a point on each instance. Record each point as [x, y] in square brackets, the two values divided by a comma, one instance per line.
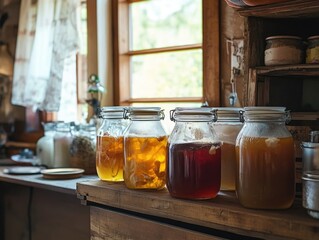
[32, 207]
[222, 217]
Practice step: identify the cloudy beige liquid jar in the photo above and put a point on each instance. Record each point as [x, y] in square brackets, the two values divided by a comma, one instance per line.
[265, 159]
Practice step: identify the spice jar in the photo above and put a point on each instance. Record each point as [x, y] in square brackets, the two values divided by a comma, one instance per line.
[110, 144]
[313, 50]
[45, 145]
[282, 50]
[82, 148]
[145, 143]
[194, 155]
[227, 127]
[62, 142]
[266, 162]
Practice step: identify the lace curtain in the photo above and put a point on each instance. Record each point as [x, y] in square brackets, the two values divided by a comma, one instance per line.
[48, 39]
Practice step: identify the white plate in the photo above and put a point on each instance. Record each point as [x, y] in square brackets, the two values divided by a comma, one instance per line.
[22, 170]
[19, 159]
[62, 173]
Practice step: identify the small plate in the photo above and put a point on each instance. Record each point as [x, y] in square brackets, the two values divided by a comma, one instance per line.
[62, 173]
[19, 159]
[22, 170]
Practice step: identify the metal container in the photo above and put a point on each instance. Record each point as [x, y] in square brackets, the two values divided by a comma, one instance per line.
[310, 156]
[311, 193]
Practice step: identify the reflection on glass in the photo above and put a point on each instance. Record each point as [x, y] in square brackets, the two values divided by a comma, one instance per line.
[170, 74]
[162, 23]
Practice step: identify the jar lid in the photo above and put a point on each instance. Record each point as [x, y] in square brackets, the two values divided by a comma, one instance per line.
[201, 114]
[311, 175]
[112, 112]
[141, 113]
[229, 114]
[266, 113]
[283, 37]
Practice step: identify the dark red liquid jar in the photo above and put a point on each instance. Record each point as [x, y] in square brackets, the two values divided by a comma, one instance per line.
[193, 170]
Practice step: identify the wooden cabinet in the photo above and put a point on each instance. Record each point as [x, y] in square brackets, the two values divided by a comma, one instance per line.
[121, 213]
[293, 86]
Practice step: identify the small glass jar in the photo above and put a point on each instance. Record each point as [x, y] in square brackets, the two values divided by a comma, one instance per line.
[194, 155]
[228, 125]
[45, 145]
[313, 50]
[62, 142]
[266, 162]
[145, 142]
[110, 144]
[282, 50]
[83, 148]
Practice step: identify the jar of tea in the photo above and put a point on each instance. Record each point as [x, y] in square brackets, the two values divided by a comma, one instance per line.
[228, 125]
[194, 155]
[110, 144]
[266, 162]
[145, 145]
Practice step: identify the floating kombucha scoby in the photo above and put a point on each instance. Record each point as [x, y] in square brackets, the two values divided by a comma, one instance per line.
[194, 155]
[265, 160]
[110, 144]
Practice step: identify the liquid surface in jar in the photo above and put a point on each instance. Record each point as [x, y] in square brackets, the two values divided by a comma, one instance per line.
[193, 170]
[110, 158]
[145, 162]
[266, 168]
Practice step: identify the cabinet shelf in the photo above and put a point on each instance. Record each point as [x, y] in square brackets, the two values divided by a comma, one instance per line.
[289, 9]
[307, 70]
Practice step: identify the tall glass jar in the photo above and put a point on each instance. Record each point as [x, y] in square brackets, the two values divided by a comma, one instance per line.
[83, 148]
[110, 144]
[227, 127]
[266, 162]
[194, 155]
[62, 142]
[45, 145]
[145, 142]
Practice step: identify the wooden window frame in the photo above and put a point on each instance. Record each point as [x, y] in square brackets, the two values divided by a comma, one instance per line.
[210, 49]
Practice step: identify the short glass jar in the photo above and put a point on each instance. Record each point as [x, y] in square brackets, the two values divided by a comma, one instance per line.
[110, 144]
[282, 50]
[266, 162]
[228, 125]
[194, 155]
[145, 142]
[313, 50]
[62, 142]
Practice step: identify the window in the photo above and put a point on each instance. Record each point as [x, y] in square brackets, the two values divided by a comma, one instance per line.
[166, 52]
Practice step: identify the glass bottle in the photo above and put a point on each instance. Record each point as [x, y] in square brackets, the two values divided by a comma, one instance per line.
[266, 162]
[145, 143]
[194, 155]
[227, 127]
[62, 142]
[110, 144]
[83, 148]
[45, 145]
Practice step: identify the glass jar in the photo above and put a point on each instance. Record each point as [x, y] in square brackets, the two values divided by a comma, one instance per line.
[145, 142]
[194, 155]
[266, 162]
[110, 144]
[83, 148]
[284, 50]
[313, 50]
[45, 145]
[62, 142]
[227, 127]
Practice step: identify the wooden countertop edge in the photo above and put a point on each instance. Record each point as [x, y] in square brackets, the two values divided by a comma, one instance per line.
[223, 212]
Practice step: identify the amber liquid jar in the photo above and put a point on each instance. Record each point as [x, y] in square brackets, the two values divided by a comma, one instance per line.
[194, 155]
[145, 142]
[110, 144]
[265, 160]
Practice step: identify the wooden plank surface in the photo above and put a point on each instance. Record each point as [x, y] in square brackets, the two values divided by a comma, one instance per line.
[223, 213]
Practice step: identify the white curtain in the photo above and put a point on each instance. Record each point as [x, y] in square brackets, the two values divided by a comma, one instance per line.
[48, 39]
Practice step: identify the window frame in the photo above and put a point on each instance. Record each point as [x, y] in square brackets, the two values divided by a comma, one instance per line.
[122, 54]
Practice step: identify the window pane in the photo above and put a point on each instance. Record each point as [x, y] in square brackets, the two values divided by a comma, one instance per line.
[162, 23]
[170, 74]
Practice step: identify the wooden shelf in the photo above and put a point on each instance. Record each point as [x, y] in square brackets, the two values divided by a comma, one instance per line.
[289, 9]
[309, 70]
